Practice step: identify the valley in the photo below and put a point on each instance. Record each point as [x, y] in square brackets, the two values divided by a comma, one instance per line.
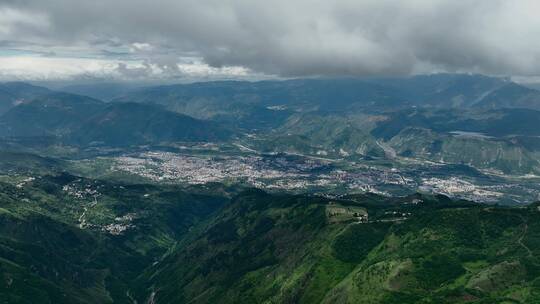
[123, 242]
[297, 173]
[269, 152]
[271, 192]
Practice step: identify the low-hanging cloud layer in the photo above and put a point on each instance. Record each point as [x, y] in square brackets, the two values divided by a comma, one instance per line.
[135, 39]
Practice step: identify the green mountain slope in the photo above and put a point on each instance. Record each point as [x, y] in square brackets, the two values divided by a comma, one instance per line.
[511, 95]
[476, 150]
[125, 124]
[450, 255]
[13, 93]
[293, 249]
[80, 120]
[55, 115]
[68, 239]
[322, 135]
[65, 239]
[497, 123]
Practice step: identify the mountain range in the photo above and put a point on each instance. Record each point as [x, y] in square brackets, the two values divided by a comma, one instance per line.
[14, 93]
[438, 90]
[395, 190]
[372, 117]
[76, 119]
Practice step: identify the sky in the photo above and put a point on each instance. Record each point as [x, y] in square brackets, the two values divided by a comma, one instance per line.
[138, 40]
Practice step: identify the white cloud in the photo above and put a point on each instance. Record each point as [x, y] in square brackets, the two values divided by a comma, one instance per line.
[16, 23]
[56, 68]
[140, 47]
[292, 38]
[40, 68]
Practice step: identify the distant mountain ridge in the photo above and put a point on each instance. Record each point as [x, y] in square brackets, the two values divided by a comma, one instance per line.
[55, 114]
[312, 134]
[336, 118]
[83, 120]
[13, 93]
[101, 90]
[126, 124]
[473, 149]
[438, 90]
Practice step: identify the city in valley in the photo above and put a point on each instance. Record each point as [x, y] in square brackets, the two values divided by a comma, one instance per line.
[325, 176]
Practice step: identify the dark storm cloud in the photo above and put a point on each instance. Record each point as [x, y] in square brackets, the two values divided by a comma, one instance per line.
[294, 37]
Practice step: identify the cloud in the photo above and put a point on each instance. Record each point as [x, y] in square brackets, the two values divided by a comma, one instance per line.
[287, 38]
[25, 67]
[30, 67]
[14, 23]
